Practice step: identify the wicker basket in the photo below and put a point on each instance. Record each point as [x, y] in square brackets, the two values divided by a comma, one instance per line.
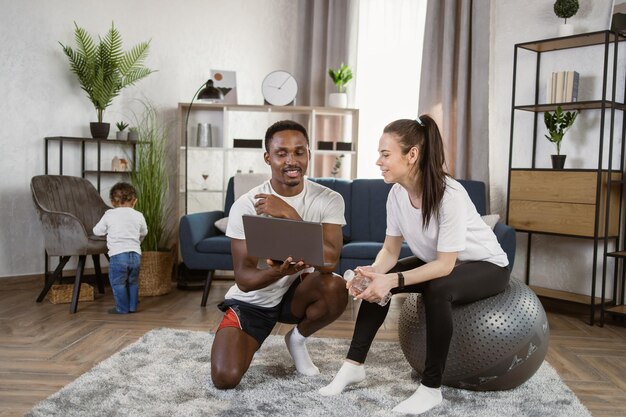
[155, 275]
[62, 293]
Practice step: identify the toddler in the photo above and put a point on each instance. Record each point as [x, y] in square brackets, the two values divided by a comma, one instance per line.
[124, 228]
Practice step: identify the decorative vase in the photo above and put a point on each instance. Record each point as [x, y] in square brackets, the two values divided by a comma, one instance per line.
[99, 130]
[566, 29]
[558, 161]
[339, 100]
[119, 135]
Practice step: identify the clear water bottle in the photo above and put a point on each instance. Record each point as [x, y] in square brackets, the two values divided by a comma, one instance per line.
[360, 284]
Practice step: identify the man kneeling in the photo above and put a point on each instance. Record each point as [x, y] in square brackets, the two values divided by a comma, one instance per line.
[267, 292]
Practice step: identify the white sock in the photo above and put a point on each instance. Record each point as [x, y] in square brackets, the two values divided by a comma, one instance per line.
[422, 400]
[296, 344]
[349, 374]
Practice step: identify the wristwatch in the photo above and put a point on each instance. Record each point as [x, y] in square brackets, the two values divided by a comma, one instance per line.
[400, 280]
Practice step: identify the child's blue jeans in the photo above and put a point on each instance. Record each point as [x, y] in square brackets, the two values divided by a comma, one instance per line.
[123, 275]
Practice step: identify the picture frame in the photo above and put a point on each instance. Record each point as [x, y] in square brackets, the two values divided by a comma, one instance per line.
[226, 81]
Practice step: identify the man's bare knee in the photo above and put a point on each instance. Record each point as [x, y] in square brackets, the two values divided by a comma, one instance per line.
[225, 378]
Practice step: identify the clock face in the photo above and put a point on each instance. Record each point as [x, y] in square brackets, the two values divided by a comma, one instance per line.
[279, 88]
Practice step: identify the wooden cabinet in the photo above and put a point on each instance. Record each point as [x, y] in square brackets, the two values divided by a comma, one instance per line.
[237, 134]
[577, 203]
[562, 202]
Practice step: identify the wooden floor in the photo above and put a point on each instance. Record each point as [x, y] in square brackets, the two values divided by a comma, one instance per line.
[43, 347]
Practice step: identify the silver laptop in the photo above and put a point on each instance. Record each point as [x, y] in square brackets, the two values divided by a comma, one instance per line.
[278, 239]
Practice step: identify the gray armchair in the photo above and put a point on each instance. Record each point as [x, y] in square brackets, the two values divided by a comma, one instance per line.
[69, 208]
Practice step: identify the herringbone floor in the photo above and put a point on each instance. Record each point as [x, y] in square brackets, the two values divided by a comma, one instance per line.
[43, 347]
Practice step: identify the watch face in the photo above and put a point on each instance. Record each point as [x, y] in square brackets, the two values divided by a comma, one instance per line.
[279, 88]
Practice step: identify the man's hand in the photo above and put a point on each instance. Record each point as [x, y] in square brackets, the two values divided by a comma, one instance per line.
[274, 206]
[288, 267]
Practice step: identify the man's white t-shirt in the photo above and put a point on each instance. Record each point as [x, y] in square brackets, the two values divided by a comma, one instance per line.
[459, 227]
[124, 227]
[315, 203]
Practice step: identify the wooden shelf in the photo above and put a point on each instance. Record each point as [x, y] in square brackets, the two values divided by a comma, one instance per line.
[95, 172]
[566, 296]
[574, 41]
[617, 309]
[576, 105]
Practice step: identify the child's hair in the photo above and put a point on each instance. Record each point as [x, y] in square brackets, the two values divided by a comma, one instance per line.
[424, 134]
[121, 193]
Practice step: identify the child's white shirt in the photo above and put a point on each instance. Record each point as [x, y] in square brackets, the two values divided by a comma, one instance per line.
[124, 228]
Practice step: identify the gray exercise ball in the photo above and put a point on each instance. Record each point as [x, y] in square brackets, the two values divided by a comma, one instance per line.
[498, 343]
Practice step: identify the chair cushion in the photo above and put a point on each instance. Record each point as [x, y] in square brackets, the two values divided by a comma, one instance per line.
[215, 244]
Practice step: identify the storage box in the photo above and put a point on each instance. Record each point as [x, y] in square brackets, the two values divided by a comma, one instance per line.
[62, 293]
[247, 143]
[323, 145]
[343, 146]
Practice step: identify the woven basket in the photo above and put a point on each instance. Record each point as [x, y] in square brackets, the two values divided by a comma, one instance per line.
[155, 275]
[62, 293]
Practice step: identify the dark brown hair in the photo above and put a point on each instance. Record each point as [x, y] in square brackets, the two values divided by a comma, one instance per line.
[424, 134]
[121, 193]
[284, 125]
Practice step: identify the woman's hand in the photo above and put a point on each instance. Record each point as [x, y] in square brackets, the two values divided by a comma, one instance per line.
[379, 286]
[357, 273]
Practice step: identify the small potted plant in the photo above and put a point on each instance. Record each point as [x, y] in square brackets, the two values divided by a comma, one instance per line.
[133, 134]
[119, 135]
[341, 77]
[565, 9]
[104, 69]
[558, 123]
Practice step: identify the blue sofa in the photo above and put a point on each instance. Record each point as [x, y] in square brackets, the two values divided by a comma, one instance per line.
[204, 247]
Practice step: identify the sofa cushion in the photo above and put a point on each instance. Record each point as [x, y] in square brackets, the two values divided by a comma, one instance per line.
[215, 244]
[368, 210]
[342, 187]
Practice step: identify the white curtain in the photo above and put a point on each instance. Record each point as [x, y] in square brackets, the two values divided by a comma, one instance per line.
[389, 59]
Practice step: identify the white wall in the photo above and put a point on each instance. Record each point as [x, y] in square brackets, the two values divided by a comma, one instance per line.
[42, 98]
[557, 262]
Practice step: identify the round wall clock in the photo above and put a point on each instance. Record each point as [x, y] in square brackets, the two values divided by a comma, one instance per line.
[279, 88]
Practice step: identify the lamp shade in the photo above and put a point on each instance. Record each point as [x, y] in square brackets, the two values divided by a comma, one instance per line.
[210, 93]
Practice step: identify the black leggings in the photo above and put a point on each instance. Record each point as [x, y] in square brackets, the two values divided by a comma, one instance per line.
[468, 282]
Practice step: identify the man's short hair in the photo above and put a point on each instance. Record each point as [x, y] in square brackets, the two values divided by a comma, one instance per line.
[122, 192]
[284, 125]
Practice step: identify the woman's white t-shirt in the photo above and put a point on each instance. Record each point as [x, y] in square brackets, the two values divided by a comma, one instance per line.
[315, 203]
[458, 228]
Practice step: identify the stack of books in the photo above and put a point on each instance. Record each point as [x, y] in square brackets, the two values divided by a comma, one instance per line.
[562, 87]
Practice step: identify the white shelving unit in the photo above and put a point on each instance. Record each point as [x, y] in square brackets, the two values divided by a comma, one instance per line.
[222, 160]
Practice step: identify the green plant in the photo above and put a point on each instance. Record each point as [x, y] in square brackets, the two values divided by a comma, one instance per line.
[341, 76]
[121, 126]
[104, 69]
[565, 8]
[337, 167]
[132, 129]
[557, 124]
[150, 176]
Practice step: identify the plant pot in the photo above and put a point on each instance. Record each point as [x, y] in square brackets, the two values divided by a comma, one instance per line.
[133, 136]
[119, 135]
[99, 130]
[155, 274]
[339, 100]
[558, 161]
[566, 29]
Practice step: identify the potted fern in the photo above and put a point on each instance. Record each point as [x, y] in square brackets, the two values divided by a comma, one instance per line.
[341, 77]
[558, 123]
[104, 69]
[150, 177]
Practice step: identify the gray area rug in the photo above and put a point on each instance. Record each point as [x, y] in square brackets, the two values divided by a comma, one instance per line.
[167, 373]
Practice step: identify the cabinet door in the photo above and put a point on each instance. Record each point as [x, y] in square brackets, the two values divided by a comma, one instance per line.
[561, 202]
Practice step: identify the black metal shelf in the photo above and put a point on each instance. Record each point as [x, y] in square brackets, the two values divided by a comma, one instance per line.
[608, 104]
